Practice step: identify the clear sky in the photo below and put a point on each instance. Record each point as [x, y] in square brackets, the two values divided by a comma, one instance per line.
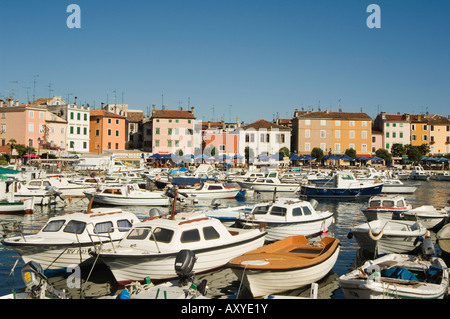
[248, 58]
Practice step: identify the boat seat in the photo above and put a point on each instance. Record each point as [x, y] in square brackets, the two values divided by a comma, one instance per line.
[306, 251]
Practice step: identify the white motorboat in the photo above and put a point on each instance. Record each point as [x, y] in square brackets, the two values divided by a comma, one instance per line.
[443, 238]
[184, 287]
[65, 240]
[386, 207]
[396, 186]
[389, 236]
[210, 190]
[441, 176]
[418, 173]
[129, 194]
[270, 183]
[285, 265]
[21, 206]
[430, 216]
[397, 276]
[61, 184]
[285, 217]
[40, 196]
[150, 248]
[227, 215]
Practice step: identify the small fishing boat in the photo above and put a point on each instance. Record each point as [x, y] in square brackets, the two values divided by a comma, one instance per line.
[431, 217]
[397, 276]
[129, 194]
[270, 183]
[418, 173]
[342, 185]
[386, 207]
[389, 236]
[40, 196]
[396, 186]
[210, 190]
[443, 239]
[22, 206]
[62, 184]
[65, 240]
[285, 265]
[285, 217]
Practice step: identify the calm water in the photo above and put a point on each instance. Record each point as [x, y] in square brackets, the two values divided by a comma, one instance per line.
[222, 284]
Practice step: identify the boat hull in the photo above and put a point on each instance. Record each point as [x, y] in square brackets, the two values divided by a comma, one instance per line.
[128, 266]
[396, 189]
[314, 191]
[122, 200]
[356, 286]
[18, 207]
[265, 278]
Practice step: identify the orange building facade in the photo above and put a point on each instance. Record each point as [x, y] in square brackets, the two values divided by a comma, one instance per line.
[107, 131]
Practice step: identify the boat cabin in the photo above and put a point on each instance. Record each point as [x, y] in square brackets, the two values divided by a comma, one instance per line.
[390, 202]
[100, 224]
[287, 209]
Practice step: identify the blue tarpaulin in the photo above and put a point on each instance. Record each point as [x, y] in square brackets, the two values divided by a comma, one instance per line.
[399, 273]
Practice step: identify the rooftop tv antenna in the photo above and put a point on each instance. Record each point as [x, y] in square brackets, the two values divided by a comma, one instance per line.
[34, 86]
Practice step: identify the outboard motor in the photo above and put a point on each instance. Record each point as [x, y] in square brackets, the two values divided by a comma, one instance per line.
[184, 264]
[216, 203]
[314, 203]
[155, 212]
[428, 247]
[35, 280]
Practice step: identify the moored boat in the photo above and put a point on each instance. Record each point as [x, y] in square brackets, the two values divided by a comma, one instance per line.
[22, 206]
[386, 207]
[285, 217]
[389, 236]
[150, 248]
[65, 240]
[285, 265]
[431, 217]
[210, 190]
[397, 276]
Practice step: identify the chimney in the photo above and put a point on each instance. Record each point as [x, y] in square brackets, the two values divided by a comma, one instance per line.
[75, 103]
[154, 107]
[192, 109]
[2, 104]
[383, 115]
[103, 105]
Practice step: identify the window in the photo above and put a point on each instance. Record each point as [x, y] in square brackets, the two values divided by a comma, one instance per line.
[75, 227]
[307, 146]
[323, 134]
[424, 127]
[210, 233]
[323, 122]
[364, 123]
[71, 116]
[97, 132]
[221, 147]
[109, 145]
[352, 123]
[413, 137]
[85, 117]
[307, 122]
[124, 225]
[306, 210]
[30, 127]
[261, 209]
[169, 131]
[323, 146]
[364, 147]
[337, 134]
[3, 128]
[138, 233]
[78, 130]
[401, 134]
[352, 134]
[117, 121]
[85, 130]
[109, 121]
[364, 134]
[337, 123]
[307, 133]
[157, 143]
[190, 236]
[278, 211]
[337, 147]
[424, 137]
[157, 131]
[297, 212]
[31, 114]
[85, 145]
[387, 134]
[71, 130]
[78, 116]
[162, 235]
[97, 120]
[109, 132]
[105, 227]
[413, 127]
[394, 134]
[54, 226]
[117, 132]
[169, 143]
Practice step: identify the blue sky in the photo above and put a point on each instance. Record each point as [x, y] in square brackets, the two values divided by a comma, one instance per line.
[248, 58]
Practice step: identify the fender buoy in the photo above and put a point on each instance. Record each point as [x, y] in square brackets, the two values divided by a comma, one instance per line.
[377, 237]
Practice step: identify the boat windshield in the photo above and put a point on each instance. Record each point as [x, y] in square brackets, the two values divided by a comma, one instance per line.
[54, 225]
[278, 211]
[162, 235]
[261, 209]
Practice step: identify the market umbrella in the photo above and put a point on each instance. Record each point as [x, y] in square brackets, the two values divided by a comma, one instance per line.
[237, 156]
[32, 156]
[347, 158]
[295, 157]
[375, 158]
[263, 157]
[307, 157]
[277, 156]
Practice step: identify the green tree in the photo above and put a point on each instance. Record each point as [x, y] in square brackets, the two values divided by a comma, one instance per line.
[350, 152]
[397, 150]
[414, 154]
[317, 152]
[12, 144]
[384, 154]
[284, 151]
[23, 150]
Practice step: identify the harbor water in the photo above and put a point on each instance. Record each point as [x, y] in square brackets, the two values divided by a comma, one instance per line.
[222, 284]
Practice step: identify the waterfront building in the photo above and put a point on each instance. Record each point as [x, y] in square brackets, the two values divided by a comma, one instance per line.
[107, 131]
[173, 132]
[333, 132]
[439, 127]
[263, 138]
[396, 129]
[220, 138]
[420, 130]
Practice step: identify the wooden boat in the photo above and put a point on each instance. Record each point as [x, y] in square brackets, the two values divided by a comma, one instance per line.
[386, 207]
[285, 265]
[65, 240]
[397, 276]
[129, 194]
[285, 217]
[430, 216]
[342, 185]
[389, 236]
